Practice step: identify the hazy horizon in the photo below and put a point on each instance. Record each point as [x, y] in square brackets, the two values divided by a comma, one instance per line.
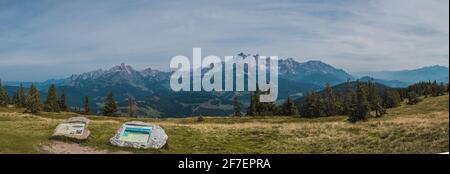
[356, 74]
[42, 40]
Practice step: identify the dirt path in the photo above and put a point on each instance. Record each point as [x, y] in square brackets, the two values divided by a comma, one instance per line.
[58, 147]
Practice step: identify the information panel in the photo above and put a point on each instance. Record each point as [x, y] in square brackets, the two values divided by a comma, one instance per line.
[136, 134]
[70, 129]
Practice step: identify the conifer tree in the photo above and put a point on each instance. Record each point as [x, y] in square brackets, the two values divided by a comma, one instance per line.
[413, 98]
[289, 108]
[62, 102]
[16, 99]
[110, 106]
[86, 107]
[4, 99]
[321, 106]
[251, 111]
[330, 102]
[391, 99]
[442, 89]
[51, 103]
[373, 96]
[310, 104]
[19, 97]
[265, 108]
[347, 99]
[362, 109]
[130, 107]
[236, 107]
[33, 101]
[435, 89]
[428, 91]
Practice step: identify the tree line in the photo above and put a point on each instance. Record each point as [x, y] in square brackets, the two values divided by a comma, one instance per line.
[30, 100]
[257, 108]
[358, 100]
[426, 89]
[361, 99]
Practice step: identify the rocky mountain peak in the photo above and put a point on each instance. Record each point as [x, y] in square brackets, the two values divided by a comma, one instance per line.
[122, 68]
[149, 72]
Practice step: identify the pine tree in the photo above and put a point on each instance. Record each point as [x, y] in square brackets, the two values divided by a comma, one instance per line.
[16, 99]
[258, 108]
[236, 107]
[4, 99]
[347, 99]
[289, 108]
[86, 107]
[330, 102]
[442, 89]
[251, 111]
[265, 108]
[51, 103]
[435, 89]
[310, 104]
[33, 101]
[19, 97]
[321, 106]
[428, 91]
[391, 99]
[362, 109]
[413, 98]
[130, 107]
[62, 102]
[373, 96]
[110, 107]
[374, 99]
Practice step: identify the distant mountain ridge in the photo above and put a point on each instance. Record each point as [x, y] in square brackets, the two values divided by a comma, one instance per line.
[429, 73]
[390, 83]
[150, 88]
[314, 72]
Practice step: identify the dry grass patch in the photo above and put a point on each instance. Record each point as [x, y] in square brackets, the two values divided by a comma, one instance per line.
[421, 128]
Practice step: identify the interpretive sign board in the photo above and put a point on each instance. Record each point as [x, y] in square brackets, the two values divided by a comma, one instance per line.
[70, 129]
[136, 133]
[75, 128]
[140, 135]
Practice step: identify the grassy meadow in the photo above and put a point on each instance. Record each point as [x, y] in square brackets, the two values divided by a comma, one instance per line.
[421, 128]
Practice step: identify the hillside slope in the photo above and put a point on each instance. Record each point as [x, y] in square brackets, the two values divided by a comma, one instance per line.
[421, 128]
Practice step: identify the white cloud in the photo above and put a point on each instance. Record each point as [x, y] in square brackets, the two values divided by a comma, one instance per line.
[354, 35]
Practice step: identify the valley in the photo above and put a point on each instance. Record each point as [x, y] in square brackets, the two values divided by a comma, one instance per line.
[150, 88]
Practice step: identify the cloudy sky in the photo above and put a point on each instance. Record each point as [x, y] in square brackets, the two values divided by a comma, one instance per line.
[53, 39]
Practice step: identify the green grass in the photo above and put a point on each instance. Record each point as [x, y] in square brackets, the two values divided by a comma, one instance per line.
[421, 128]
[23, 133]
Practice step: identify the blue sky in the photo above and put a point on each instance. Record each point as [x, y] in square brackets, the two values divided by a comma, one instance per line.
[43, 39]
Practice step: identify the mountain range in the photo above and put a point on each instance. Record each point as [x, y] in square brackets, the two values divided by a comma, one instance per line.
[150, 90]
[408, 77]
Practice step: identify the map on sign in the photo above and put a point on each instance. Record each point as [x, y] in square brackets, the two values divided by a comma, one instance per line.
[70, 128]
[136, 133]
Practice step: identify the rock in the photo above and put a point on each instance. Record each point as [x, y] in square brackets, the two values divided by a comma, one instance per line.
[73, 128]
[139, 135]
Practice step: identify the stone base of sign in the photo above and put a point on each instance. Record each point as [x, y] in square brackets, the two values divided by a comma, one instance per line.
[75, 128]
[156, 139]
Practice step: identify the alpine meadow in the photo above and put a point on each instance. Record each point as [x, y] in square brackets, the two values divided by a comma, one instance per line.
[224, 77]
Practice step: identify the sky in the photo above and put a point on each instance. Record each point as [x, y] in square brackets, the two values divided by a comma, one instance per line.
[44, 39]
